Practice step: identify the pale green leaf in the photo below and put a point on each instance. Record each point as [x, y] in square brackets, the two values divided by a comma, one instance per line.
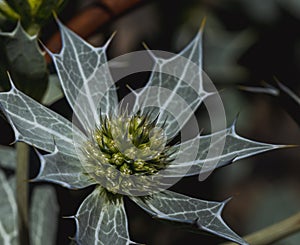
[37, 125]
[64, 170]
[101, 220]
[8, 212]
[7, 157]
[236, 148]
[43, 216]
[85, 78]
[197, 215]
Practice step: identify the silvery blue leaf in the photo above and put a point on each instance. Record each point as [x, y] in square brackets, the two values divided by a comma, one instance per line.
[197, 215]
[64, 170]
[236, 148]
[37, 125]
[175, 96]
[85, 78]
[101, 220]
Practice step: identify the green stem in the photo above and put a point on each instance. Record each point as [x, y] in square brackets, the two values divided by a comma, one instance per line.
[22, 192]
[274, 232]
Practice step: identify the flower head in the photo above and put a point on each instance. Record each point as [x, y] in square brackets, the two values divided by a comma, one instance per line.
[123, 146]
[127, 153]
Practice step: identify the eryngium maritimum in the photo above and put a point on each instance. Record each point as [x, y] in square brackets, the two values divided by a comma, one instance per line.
[133, 145]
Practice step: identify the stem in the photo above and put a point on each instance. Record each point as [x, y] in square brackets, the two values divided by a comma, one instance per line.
[274, 232]
[22, 192]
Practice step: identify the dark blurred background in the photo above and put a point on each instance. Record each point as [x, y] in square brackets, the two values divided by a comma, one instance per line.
[245, 42]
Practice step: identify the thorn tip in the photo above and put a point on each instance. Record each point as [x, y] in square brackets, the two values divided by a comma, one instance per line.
[203, 23]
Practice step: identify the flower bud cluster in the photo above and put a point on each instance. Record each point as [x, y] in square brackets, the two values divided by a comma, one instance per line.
[124, 146]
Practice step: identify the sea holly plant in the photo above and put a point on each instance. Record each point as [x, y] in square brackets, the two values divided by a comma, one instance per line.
[128, 150]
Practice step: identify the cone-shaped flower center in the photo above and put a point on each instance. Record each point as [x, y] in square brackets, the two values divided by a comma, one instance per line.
[132, 145]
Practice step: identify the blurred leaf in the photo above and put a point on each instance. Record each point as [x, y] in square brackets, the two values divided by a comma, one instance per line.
[268, 10]
[264, 11]
[2, 19]
[268, 89]
[31, 13]
[293, 6]
[43, 216]
[35, 5]
[21, 7]
[53, 92]
[289, 92]
[223, 48]
[44, 9]
[273, 204]
[289, 100]
[8, 212]
[8, 157]
[25, 61]
[7, 11]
